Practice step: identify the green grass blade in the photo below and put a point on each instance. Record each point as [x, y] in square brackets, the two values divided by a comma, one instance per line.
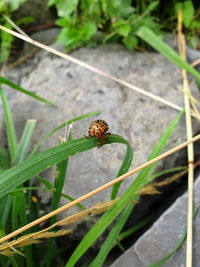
[61, 170]
[61, 126]
[152, 39]
[59, 180]
[10, 129]
[18, 88]
[4, 159]
[50, 187]
[46, 183]
[134, 228]
[24, 142]
[111, 214]
[158, 149]
[112, 236]
[19, 218]
[142, 177]
[30, 167]
[168, 171]
[5, 206]
[80, 206]
[162, 261]
[124, 168]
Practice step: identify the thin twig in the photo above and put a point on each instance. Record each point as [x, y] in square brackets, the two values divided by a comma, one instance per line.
[182, 51]
[99, 189]
[89, 67]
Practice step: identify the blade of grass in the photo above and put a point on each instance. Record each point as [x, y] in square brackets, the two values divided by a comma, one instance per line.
[110, 215]
[134, 228]
[124, 168]
[50, 187]
[15, 176]
[180, 242]
[24, 142]
[18, 88]
[10, 129]
[100, 188]
[19, 218]
[5, 205]
[4, 159]
[59, 180]
[61, 126]
[152, 39]
[158, 174]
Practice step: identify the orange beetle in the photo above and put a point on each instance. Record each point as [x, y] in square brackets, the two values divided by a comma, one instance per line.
[99, 129]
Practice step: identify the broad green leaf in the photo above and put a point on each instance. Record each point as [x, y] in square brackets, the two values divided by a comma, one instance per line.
[6, 41]
[117, 8]
[18, 88]
[25, 20]
[65, 8]
[2, 5]
[87, 30]
[124, 30]
[130, 42]
[14, 4]
[151, 38]
[188, 11]
[50, 3]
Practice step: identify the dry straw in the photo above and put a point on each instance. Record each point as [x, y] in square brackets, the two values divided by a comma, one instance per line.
[190, 147]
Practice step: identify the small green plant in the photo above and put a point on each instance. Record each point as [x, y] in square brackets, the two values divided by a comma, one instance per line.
[191, 21]
[117, 21]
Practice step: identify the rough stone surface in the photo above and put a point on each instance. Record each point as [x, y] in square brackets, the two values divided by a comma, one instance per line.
[77, 91]
[163, 236]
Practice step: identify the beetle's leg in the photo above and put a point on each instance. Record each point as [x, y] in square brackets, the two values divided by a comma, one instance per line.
[88, 137]
[104, 138]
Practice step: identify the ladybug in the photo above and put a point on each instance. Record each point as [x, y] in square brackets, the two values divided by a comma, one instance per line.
[99, 129]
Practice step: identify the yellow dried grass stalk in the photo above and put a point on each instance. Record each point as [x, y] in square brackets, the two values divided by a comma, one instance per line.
[9, 248]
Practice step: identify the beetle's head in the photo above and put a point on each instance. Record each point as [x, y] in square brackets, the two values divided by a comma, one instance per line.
[98, 133]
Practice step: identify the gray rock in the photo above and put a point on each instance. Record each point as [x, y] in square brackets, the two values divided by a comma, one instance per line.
[163, 236]
[77, 91]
